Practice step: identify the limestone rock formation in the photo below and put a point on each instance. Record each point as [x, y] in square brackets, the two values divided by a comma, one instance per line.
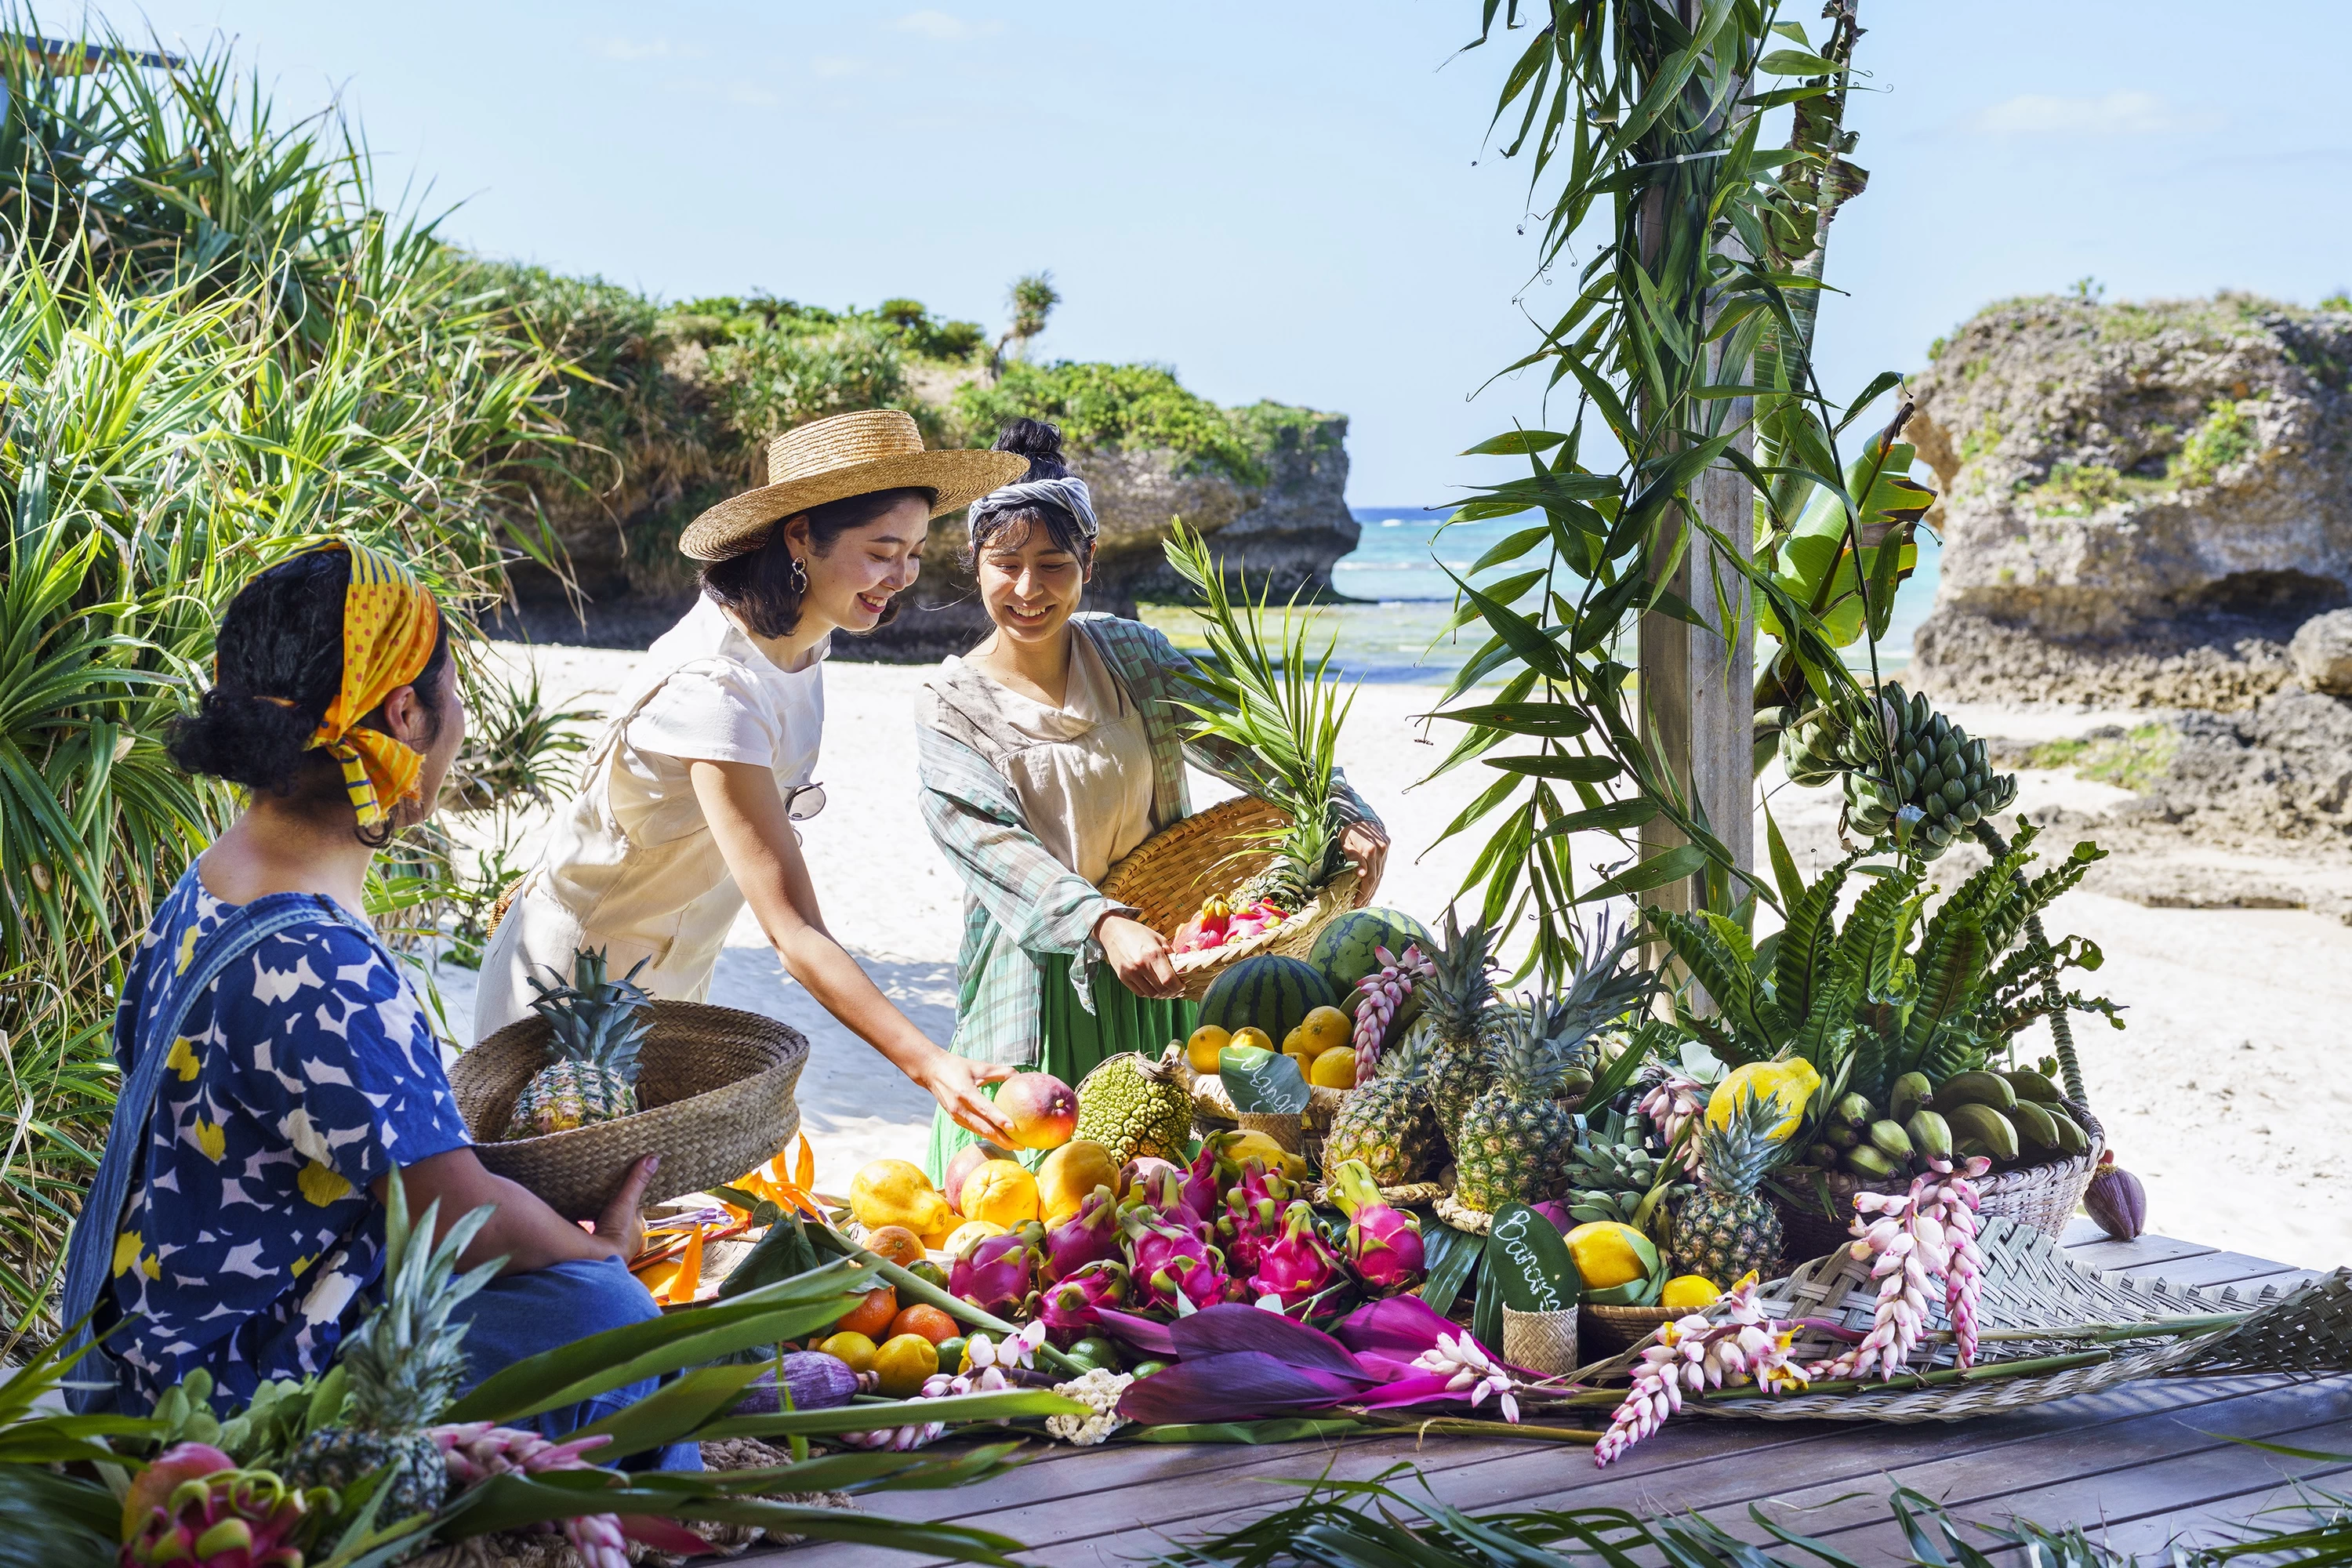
[2140, 503]
[2322, 652]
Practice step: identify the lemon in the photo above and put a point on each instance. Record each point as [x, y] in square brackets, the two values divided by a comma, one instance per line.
[1689, 1293]
[903, 1364]
[853, 1350]
[1334, 1069]
[1791, 1083]
[1324, 1030]
[1202, 1050]
[896, 1192]
[1251, 1036]
[1605, 1254]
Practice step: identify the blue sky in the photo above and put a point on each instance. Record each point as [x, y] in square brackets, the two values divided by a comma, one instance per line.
[1290, 200]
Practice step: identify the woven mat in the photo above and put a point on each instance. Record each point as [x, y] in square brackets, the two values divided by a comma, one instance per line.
[2028, 1283]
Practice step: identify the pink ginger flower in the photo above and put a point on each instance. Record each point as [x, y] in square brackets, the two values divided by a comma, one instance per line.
[477, 1450]
[1384, 991]
[1732, 1343]
[1922, 1241]
[1673, 1104]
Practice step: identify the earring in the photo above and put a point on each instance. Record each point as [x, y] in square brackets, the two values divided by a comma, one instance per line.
[799, 576]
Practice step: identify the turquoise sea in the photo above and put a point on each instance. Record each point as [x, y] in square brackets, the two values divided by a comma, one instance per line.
[1394, 627]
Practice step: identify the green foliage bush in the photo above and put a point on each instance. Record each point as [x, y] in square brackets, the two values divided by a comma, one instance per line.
[2225, 436]
[1118, 406]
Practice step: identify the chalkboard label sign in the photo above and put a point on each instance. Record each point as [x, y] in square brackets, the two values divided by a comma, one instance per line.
[1262, 1082]
[1528, 1263]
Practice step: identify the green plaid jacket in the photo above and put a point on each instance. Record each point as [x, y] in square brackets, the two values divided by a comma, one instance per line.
[1020, 903]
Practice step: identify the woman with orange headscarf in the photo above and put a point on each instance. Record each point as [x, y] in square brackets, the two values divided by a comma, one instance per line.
[277, 1073]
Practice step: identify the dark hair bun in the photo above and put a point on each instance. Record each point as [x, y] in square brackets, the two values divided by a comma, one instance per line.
[1039, 442]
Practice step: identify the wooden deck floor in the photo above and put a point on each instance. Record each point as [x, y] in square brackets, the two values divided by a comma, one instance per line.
[2144, 1461]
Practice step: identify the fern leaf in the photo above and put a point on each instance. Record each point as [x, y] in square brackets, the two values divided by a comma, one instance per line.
[1729, 983]
[1802, 961]
[1950, 967]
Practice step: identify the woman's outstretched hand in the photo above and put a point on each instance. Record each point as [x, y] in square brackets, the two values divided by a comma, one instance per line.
[956, 1082]
[1367, 844]
[1139, 956]
[623, 1223]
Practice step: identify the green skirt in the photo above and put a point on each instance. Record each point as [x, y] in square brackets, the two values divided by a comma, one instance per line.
[1075, 1039]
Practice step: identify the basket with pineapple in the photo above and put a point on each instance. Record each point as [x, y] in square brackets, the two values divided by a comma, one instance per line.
[1264, 872]
[602, 1074]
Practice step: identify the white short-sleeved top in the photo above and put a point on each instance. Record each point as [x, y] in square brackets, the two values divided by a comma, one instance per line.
[631, 865]
[724, 700]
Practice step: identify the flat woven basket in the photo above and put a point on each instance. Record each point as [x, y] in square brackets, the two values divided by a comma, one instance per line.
[1212, 854]
[716, 1086]
[1622, 1328]
[2044, 1196]
[2031, 1283]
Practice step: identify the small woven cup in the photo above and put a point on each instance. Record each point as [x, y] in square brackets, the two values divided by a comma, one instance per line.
[1286, 1128]
[1540, 1341]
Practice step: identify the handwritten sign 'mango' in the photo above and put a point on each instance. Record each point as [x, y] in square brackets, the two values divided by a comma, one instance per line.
[1262, 1082]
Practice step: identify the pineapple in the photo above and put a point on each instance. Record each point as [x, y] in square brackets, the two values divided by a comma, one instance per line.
[1725, 1229]
[1512, 1144]
[1304, 852]
[598, 1026]
[1459, 1022]
[404, 1365]
[1387, 1123]
[1613, 1169]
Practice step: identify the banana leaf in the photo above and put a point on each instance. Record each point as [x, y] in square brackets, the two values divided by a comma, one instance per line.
[684, 1404]
[1815, 561]
[55, 1521]
[604, 1361]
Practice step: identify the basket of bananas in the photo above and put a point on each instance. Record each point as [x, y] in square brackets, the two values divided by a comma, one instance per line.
[2043, 1147]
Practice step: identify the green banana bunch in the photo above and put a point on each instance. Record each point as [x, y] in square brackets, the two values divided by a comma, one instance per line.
[1918, 776]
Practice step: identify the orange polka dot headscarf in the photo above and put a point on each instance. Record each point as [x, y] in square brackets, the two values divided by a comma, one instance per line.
[390, 626]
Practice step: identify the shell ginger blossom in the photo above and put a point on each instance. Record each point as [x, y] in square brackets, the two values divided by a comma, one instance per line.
[1733, 1341]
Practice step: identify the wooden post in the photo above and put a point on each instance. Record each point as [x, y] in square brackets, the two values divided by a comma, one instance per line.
[1697, 691]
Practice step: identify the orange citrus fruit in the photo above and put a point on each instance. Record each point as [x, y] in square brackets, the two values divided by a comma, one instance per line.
[1334, 1069]
[903, 1363]
[925, 1320]
[854, 1352]
[871, 1316]
[1202, 1050]
[896, 1244]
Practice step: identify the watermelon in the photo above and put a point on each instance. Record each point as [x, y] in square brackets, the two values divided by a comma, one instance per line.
[1268, 991]
[1344, 951]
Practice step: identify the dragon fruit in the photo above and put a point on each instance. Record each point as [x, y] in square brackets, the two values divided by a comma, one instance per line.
[1166, 1197]
[1089, 1236]
[1382, 1243]
[194, 1508]
[997, 1274]
[1068, 1310]
[1173, 1266]
[1297, 1264]
[1252, 1216]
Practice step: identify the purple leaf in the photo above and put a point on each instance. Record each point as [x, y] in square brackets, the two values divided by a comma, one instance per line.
[1419, 1388]
[1152, 1339]
[1239, 1386]
[1226, 1328]
[1398, 1327]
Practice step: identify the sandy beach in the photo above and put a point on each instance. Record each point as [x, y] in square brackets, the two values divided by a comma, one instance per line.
[2228, 1093]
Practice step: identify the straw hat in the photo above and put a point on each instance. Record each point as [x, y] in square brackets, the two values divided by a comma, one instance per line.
[848, 455]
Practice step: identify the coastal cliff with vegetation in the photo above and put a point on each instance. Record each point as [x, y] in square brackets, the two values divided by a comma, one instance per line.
[670, 407]
[2146, 510]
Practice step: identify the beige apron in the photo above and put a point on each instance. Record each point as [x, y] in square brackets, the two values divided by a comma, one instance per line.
[595, 886]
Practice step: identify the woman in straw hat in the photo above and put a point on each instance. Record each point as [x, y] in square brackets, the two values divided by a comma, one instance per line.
[1050, 752]
[279, 1073]
[689, 798]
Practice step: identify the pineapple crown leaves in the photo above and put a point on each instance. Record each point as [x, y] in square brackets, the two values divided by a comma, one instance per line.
[1461, 985]
[1602, 988]
[405, 1360]
[594, 1018]
[1737, 1154]
[1277, 701]
[1526, 1063]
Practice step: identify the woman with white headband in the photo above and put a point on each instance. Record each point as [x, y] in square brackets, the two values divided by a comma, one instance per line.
[1047, 753]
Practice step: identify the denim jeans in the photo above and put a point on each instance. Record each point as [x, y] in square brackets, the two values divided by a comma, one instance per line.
[518, 1316]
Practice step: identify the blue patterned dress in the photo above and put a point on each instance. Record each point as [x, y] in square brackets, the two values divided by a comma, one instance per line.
[303, 1076]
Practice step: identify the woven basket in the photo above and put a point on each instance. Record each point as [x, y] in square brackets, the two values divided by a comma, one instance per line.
[715, 1085]
[1211, 855]
[2044, 1196]
[1611, 1328]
